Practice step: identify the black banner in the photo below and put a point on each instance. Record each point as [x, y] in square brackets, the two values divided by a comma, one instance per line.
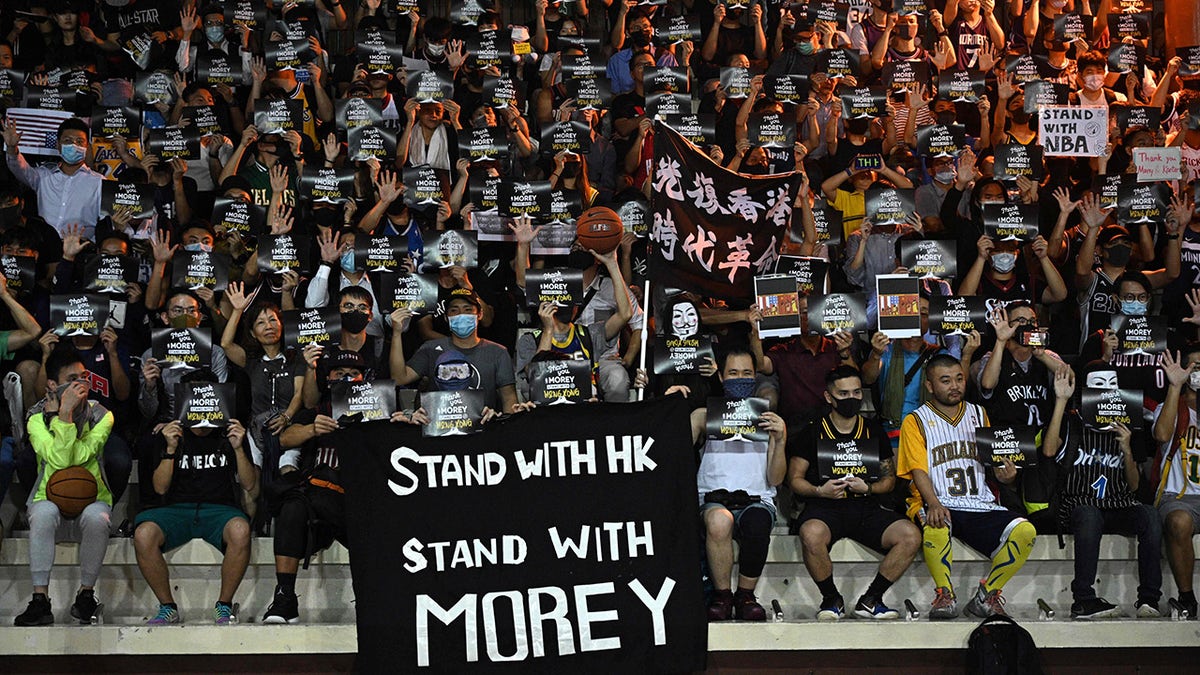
[777, 297]
[729, 419]
[278, 253]
[250, 13]
[490, 48]
[1106, 188]
[1011, 222]
[664, 104]
[374, 253]
[1016, 444]
[864, 102]
[415, 609]
[1135, 25]
[278, 116]
[124, 121]
[713, 230]
[365, 142]
[1129, 116]
[898, 302]
[1024, 69]
[363, 401]
[200, 269]
[562, 286]
[1013, 160]
[19, 273]
[236, 215]
[957, 315]
[453, 413]
[287, 54]
[828, 314]
[319, 325]
[889, 206]
[560, 381]
[1140, 334]
[205, 120]
[78, 314]
[1126, 58]
[1070, 27]
[929, 258]
[810, 273]
[205, 405]
[1142, 203]
[181, 347]
[700, 128]
[1102, 408]
[135, 198]
[377, 52]
[681, 356]
[854, 457]
[424, 191]
[668, 79]
[417, 292]
[938, 140]
[109, 273]
[333, 186]
[450, 248]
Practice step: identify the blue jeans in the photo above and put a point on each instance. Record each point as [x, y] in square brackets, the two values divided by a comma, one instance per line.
[1088, 523]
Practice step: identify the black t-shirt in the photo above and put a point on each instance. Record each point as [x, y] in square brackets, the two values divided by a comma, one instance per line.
[319, 451]
[205, 469]
[804, 444]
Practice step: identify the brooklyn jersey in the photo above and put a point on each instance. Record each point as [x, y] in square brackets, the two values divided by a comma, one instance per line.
[944, 447]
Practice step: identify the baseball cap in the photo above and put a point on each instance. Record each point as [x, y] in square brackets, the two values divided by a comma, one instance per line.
[1112, 233]
[346, 358]
[466, 294]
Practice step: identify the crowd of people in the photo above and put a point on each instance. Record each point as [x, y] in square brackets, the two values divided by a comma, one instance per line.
[216, 75]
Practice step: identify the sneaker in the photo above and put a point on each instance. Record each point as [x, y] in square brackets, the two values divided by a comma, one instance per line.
[986, 604]
[1146, 610]
[37, 613]
[945, 606]
[284, 609]
[1190, 609]
[746, 607]
[85, 606]
[832, 610]
[720, 608]
[223, 614]
[166, 615]
[873, 608]
[1096, 608]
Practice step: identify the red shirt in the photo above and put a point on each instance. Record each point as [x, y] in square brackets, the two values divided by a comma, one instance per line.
[802, 376]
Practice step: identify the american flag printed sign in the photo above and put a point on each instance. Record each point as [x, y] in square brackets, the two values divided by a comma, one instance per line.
[38, 128]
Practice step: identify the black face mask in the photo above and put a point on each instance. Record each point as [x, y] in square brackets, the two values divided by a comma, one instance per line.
[640, 39]
[847, 407]
[10, 216]
[326, 217]
[564, 314]
[570, 170]
[354, 322]
[1020, 116]
[735, 14]
[1119, 255]
[946, 118]
[580, 260]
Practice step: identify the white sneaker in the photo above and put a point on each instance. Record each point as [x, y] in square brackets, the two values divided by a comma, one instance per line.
[1145, 610]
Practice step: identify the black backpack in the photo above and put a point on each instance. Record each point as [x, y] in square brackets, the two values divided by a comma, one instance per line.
[999, 646]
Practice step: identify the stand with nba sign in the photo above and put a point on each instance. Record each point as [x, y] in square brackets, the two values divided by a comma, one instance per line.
[1073, 131]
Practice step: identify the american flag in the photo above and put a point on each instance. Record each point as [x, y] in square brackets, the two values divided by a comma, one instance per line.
[39, 129]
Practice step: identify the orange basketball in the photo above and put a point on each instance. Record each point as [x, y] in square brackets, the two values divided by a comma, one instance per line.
[71, 490]
[599, 229]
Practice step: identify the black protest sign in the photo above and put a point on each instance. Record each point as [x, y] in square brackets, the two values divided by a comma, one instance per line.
[12, 85]
[899, 305]
[450, 248]
[828, 222]
[216, 67]
[137, 199]
[124, 121]
[482, 144]
[698, 128]
[555, 238]
[491, 48]
[590, 93]
[1024, 68]
[735, 82]
[174, 143]
[366, 142]
[889, 206]
[546, 514]
[332, 185]
[418, 293]
[574, 137]
[110, 273]
[1126, 58]
[78, 314]
[181, 347]
[1128, 25]
[278, 116]
[524, 198]
[205, 405]
[834, 312]
[19, 274]
[664, 103]
[910, 7]
[278, 253]
[1011, 222]
[584, 43]
[864, 102]
[1140, 334]
[1142, 202]
[838, 63]
[139, 45]
[1070, 27]
[154, 87]
[466, 12]
[562, 286]
[50, 97]
[810, 273]
[635, 215]
[665, 78]
[777, 298]
[236, 215]
[423, 188]
[1131, 116]
[565, 207]
[205, 120]
[1107, 188]
[453, 413]
[681, 356]
[362, 401]
[735, 419]
[1104, 408]
[671, 30]
[787, 89]
[429, 86]
[773, 130]
[581, 67]
[961, 86]
[200, 269]
[839, 459]
[957, 315]
[249, 13]
[287, 54]
[1191, 60]
[897, 74]
[929, 258]
[560, 381]
[1042, 93]
[484, 190]
[941, 140]
[315, 326]
[405, 6]
[1014, 444]
[378, 53]
[1013, 160]
[357, 112]
[500, 92]
[832, 12]
[379, 253]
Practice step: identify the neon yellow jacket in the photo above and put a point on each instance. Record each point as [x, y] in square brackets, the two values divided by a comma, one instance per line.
[60, 444]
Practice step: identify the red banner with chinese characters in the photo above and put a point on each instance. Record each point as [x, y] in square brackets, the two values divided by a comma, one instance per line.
[713, 230]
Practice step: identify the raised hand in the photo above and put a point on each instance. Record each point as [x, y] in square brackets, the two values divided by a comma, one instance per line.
[1064, 382]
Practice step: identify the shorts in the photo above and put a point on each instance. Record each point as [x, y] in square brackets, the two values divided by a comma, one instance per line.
[181, 523]
[737, 513]
[984, 531]
[1189, 503]
[862, 520]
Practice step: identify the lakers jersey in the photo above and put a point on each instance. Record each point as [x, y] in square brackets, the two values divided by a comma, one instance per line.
[944, 448]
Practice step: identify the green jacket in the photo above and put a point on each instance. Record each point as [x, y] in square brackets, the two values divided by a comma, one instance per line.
[60, 444]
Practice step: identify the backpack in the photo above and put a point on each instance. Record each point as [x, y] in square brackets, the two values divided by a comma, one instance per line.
[1000, 646]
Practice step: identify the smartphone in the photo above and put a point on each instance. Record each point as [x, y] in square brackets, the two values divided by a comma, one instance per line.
[1035, 337]
[868, 162]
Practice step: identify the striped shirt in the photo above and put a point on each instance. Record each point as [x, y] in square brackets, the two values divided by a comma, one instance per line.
[944, 448]
[1095, 468]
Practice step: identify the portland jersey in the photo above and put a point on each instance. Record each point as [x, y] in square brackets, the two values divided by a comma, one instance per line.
[944, 448]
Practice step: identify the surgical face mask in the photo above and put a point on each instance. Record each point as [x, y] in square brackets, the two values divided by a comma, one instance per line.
[214, 33]
[1194, 379]
[805, 47]
[1093, 82]
[738, 387]
[462, 325]
[1004, 262]
[435, 50]
[1134, 307]
[946, 175]
[72, 154]
[347, 261]
[1119, 255]
[197, 246]
[847, 407]
[355, 322]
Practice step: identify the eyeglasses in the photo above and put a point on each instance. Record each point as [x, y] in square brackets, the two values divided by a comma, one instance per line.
[180, 311]
[1022, 321]
[1140, 297]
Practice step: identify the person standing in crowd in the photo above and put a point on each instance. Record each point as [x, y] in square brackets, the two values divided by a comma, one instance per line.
[69, 191]
[1177, 492]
